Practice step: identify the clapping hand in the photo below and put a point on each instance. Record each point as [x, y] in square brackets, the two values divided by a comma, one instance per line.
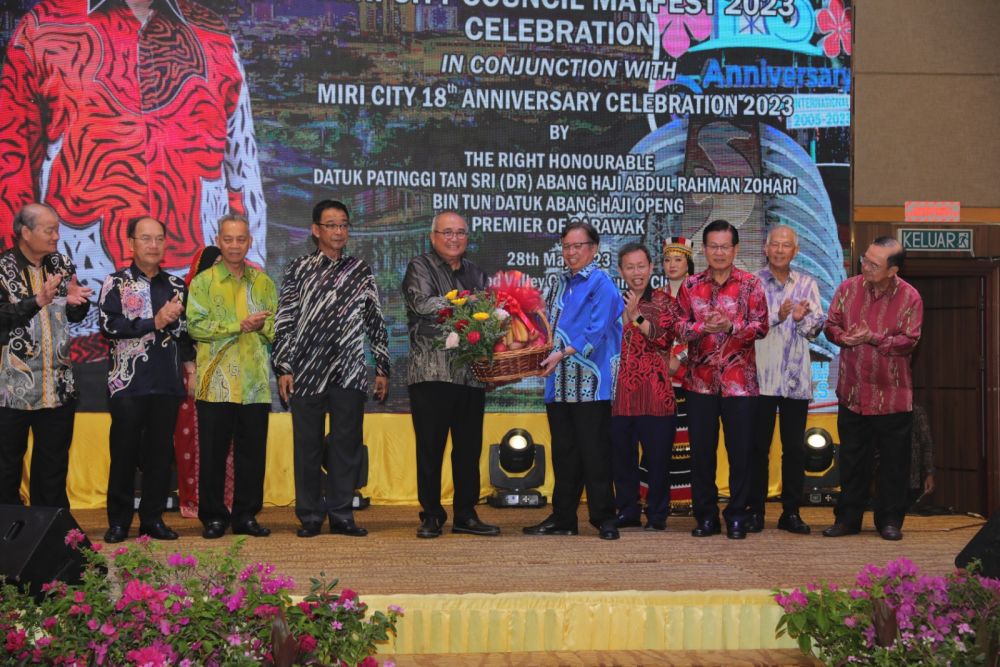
[857, 334]
[77, 294]
[169, 313]
[254, 322]
[800, 310]
[48, 291]
[716, 322]
[784, 310]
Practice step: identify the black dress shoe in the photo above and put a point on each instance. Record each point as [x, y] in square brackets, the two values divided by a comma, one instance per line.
[840, 530]
[656, 525]
[891, 533]
[346, 527]
[250, 527]
[116, 534]
[474, 526]
[623, 521]
[706, 528]
[755, 524]
[609, 532]
[158, 531]
[793, 523]
[214, 530]
[430, 527]
[309, 529]
[736, 529]
[548, 527]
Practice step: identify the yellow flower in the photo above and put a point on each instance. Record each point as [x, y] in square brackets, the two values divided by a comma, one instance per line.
[451, 295]
[459, 302]
[482, 317]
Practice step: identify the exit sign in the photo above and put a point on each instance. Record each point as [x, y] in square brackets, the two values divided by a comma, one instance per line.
[936, 240]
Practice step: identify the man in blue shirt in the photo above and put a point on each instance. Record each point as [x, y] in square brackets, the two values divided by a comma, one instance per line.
[585, 311]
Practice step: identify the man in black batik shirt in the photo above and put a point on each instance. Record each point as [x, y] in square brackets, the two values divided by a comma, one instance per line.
[327, 306]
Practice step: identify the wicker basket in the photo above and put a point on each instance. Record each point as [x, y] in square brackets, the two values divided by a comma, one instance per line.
[513, 365]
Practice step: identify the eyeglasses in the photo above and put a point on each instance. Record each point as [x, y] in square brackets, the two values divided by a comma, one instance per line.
[340, 227]
[576, 247]
[783, 245]
[145, 239]
[719, 247]
[868, 264]
[453, 233]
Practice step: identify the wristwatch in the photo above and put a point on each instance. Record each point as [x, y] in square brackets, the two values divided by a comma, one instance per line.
[639, 320]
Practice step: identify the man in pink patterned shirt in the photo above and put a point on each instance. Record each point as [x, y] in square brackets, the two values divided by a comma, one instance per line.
[722, 311]
[875, 318]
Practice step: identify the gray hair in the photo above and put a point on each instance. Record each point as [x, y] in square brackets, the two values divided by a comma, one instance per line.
[447, 211]
[28, 217]
[232, 217]
[795, 234]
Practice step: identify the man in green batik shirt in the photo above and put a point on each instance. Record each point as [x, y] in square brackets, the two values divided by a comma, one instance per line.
[230, 314]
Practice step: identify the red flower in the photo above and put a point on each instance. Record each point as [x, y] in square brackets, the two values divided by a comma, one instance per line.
[835, 23]
[446, 312]
[473, 337]
[461, 324]
[347, 594]
[307, 643]
[464, 292]
[15, 640]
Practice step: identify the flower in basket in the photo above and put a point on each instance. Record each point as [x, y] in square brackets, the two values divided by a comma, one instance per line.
[472, 324]
[897, 616]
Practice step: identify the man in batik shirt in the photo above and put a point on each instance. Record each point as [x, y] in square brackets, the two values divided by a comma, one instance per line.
[722, 312]
[875, 318]
[784, 375]
[230, 313]
[327, 307]
[142, 314]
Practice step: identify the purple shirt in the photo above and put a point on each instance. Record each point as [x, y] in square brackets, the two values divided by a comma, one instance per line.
[783, 364]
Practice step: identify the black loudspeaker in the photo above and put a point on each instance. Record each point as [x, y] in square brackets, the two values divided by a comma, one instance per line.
[33, 549]
[985, 546]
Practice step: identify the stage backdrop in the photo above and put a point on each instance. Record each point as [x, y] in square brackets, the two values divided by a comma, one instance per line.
[647, 118]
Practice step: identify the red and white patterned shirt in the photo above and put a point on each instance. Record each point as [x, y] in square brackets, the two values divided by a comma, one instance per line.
[106, 119]
[875, 378]
[722, 363]
[642, 384]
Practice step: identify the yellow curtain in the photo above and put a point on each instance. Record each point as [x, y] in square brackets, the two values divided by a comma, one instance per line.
[392, 478]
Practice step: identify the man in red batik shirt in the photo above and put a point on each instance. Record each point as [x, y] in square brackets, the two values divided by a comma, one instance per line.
[113, 110]
[875, 318]
[723, 310]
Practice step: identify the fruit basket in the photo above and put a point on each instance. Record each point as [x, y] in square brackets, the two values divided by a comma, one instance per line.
[519, 354]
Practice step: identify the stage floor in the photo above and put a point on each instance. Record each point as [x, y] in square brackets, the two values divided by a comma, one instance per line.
[391, 560]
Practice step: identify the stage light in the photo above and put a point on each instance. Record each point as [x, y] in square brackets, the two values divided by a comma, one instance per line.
[819, 450]
[822, 478]
[517, 453]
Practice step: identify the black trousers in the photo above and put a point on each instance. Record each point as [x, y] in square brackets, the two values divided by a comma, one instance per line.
[245, 426]
[860, 437]
[657, 437]
[737, 414]
[437, 408]
[52, 434]
[340, 452]
[142, 436]
[793, 451]
[581, 458]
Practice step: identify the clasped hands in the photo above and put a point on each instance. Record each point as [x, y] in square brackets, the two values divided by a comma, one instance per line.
[857, 334]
